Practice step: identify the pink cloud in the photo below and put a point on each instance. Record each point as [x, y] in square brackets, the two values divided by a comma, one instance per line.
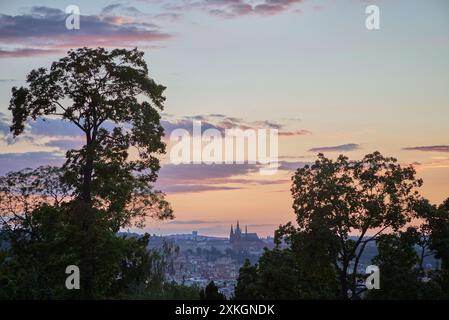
[294, 133]
[436, 148]
[26, 52]
[43, 31]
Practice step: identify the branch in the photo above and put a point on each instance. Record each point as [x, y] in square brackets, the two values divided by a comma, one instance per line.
[70, 118]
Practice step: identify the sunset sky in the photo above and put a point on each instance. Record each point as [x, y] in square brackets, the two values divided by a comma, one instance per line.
[310, 69]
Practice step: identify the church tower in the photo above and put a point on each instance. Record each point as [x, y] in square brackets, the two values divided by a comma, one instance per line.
[238, 232]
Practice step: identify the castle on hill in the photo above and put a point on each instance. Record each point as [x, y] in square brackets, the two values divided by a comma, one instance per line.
[240, 240]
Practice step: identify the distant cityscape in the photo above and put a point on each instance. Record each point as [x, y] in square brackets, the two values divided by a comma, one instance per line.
[201, 259]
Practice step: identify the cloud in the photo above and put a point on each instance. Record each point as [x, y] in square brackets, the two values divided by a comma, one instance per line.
[184, 178]
[26, 52]
[218, 115]
[436, 148]
[4, 124]
[268, 124]
[291, 157]
[196, 188]
[42, 30]
[292, 165]
[187, 124]
[66, 144]
[237, 8]
[170, 16]
[261, 225]
[339, 148]
[294, 133]
[222, 122]
[49, 132]
[194, 173]
[182, 222]
[18, 161]
[120, 8]
[53, 128]
[62, 135]
[65, 135]
[55, 133]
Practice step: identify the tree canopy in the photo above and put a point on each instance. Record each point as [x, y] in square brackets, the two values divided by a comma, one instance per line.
[54, 217]
[109, 96]
[342, 207]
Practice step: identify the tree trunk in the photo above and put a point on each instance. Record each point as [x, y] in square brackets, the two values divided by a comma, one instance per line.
[344, 287]
[87, 174]
[344, 280]
[88, 220]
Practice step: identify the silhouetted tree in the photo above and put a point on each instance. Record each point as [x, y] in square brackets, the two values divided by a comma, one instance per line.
[211, 293]
[248, 287]
[436, 225]
[314, 251]
[398, 261]
[341, 206]
[110, 98]
[364, 197]
[97, 91]
[302, 270]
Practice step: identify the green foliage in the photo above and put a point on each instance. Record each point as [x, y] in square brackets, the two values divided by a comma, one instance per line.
[397, 259]
[164, 291]
[211, 293]
[278, 275]
[248, 287]
[303, 270]
[41, 247]
[34, 264]
[435, 226]
[439, 226]
[363, 196]
[55, 217]
[318, 259]
[97, 91]
[401, 274]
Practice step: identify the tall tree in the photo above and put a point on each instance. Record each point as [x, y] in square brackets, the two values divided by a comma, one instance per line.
[364, 198]
[109, 96]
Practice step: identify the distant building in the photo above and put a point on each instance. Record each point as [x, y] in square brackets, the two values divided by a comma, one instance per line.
[240, 240]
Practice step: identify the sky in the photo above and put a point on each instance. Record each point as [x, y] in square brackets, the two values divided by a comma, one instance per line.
[310, 69]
